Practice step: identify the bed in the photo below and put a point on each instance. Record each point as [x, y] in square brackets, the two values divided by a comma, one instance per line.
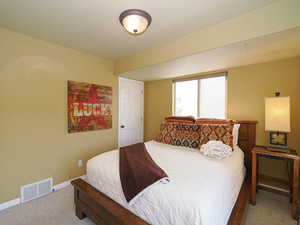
[201, 192]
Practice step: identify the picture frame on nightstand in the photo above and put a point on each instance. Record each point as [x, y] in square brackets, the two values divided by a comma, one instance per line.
[278, 139]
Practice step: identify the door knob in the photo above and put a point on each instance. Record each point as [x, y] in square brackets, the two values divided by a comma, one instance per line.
[122, 126]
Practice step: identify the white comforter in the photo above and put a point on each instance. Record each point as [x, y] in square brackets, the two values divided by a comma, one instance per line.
[202, 191]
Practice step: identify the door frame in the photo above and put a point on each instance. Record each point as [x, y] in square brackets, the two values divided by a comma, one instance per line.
[119, 104]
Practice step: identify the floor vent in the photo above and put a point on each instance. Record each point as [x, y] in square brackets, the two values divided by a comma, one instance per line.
[36, 190]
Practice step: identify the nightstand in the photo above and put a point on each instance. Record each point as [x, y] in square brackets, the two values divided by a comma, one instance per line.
[294, 183]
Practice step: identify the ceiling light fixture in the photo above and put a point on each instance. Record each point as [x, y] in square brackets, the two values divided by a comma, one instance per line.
[135, 21]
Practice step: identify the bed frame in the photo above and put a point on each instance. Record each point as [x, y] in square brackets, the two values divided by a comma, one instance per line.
[102, 210]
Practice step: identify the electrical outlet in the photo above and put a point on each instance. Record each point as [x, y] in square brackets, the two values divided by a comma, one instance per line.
[80, 163]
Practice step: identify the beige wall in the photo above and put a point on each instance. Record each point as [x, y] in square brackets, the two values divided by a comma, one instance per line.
[247, 87]
[34, 143]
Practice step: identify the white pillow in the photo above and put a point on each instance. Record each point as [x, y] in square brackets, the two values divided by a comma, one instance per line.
[235, 134]
[216, 150]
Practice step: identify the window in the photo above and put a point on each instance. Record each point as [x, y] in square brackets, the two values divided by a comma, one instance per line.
[201, 97]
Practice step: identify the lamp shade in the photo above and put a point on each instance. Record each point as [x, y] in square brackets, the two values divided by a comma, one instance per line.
[277, 114]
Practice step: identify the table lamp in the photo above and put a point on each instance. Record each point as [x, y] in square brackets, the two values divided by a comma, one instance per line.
[277, 121]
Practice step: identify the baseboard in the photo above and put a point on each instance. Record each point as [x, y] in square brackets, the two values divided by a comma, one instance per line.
[17, 201]
[66, 183]
[10, 203]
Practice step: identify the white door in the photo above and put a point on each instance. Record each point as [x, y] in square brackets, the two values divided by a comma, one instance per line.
[131, 112]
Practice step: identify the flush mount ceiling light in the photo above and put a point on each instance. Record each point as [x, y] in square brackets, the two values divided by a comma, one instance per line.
[135, 21]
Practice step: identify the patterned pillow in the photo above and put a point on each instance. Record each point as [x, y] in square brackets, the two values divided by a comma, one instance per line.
[187, 135]
[180, 119]
[166, 132]
[213, 121]
[216, 132]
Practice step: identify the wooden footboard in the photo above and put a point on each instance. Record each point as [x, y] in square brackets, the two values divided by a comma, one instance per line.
[102, 210]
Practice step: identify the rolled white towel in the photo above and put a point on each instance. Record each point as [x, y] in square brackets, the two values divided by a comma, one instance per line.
[216, 150]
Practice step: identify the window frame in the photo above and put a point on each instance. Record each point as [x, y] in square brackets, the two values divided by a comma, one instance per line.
[199, 78]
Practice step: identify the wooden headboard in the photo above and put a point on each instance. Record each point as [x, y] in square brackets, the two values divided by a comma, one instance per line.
[247, 138]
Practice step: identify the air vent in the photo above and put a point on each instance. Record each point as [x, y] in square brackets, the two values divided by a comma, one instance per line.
[36, 190]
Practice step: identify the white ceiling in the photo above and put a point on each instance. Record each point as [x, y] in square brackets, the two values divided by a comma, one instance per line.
[263, 49]
[93, 26]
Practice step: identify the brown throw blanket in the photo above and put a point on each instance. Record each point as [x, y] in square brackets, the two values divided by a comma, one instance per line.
[137, 170]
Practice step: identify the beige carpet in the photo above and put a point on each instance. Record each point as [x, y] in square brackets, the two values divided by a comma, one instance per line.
[57, 209]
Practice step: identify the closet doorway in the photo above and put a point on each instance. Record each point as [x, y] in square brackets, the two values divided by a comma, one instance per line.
[131, 111]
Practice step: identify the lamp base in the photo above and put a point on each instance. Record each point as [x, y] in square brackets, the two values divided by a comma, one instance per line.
[278, 139]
